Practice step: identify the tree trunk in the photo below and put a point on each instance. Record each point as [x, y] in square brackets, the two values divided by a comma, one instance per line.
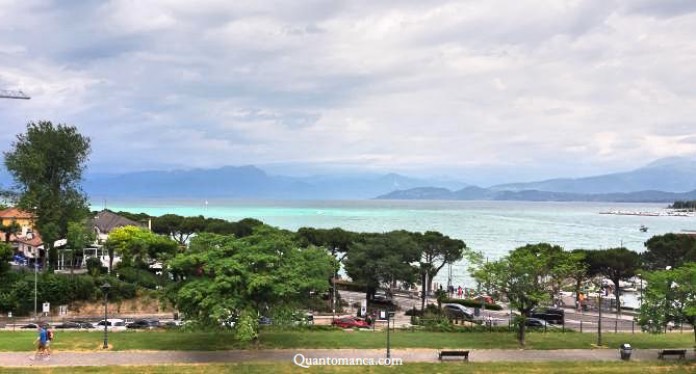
[521, 332]
[617, 293]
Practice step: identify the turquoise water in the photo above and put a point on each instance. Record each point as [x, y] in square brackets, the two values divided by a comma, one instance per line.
[492, 227]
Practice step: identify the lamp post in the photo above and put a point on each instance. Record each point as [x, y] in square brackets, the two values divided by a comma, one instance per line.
[105, 290]
[667, 292]
[389, 316]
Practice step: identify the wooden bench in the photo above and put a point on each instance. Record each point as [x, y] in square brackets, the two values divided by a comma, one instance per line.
[443, 354]
[671, 352]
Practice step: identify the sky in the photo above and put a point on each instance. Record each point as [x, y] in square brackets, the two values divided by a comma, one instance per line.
[480, 91]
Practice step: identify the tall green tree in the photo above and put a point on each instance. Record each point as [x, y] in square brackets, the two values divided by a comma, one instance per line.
[380, 260]
[225, 275]
[6, 253]
[137, 246]
[437, 250]
[669, 250]
[525, 277]
[47, 163]
[670, 296]
[78, 236]
[616, 264]
[177, 227]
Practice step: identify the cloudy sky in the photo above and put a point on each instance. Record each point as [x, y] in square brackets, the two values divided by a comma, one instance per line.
[471, 89]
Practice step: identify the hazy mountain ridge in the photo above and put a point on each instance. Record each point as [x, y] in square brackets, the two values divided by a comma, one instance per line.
[673, 176]
[427, 193]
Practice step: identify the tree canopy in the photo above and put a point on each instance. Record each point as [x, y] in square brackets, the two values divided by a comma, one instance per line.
[616, 264]
[47, 163]
[525, 276]
[670, 296]
[225, 275]
[380, 260]
[669, 250]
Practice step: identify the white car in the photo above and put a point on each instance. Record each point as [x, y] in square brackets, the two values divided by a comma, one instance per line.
[114, 324]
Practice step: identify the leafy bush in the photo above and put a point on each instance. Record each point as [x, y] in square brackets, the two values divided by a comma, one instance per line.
[139, 277]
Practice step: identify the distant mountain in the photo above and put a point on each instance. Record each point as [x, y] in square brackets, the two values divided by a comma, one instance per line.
[476, 193]
[674, 174]
[247, 182]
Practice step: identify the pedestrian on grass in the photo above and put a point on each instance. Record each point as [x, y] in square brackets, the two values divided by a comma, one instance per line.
[41, 343]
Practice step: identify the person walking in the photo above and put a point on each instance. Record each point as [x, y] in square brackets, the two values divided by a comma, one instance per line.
[49, 339]
[41, 342]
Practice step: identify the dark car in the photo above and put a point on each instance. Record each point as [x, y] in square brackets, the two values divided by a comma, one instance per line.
[554, 316]
[350, 322]
[265, 321]
[30, 326]
[537, 323]
[148, 324]
[457, 311]
[75, 325]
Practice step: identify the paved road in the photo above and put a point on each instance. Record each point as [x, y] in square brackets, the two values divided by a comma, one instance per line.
[407, 355]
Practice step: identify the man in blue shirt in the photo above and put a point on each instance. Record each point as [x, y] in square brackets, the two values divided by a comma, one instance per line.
[41, 341]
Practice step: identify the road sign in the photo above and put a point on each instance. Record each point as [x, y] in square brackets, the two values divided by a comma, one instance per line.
[46, 307]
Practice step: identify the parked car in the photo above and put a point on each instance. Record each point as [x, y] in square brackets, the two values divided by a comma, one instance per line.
[30, 326]
[265, 321]
[115, 324]
[457, 311]
[555, 316]
[381, 295]
[75, 325]
[147, 324]
[537, 323]
[350, 322]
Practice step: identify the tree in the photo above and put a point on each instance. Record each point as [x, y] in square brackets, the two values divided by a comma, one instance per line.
[669, 250]
[524, 276]
[79, 235]
[47, 163]
[177, 227]
[437, 250]
[5, 258]
[225, 275]
[12, 228]
[670, 296]
[616, 264]
[380, 260]
[137, 246]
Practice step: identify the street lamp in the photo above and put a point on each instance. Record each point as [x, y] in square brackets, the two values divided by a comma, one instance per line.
[105, 290]
[389, 317]
[667, 292]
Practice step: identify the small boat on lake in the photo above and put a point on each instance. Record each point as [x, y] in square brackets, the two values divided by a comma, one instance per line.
[643, 228]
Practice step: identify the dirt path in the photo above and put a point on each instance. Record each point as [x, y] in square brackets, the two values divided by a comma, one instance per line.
[21, 359]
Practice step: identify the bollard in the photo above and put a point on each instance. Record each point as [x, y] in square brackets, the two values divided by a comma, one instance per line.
[581, 326]
[616, 326]
[633, 327]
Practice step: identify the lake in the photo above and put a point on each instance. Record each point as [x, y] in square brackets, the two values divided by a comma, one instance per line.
[492, 227]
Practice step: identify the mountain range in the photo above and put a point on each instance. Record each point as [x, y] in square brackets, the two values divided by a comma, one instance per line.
[664, 180]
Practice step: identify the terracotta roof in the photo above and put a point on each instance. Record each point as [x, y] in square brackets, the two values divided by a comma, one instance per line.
[15, 213]
[107, 220]
[35, 241]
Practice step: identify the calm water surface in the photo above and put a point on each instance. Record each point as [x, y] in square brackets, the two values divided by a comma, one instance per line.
[492, 227]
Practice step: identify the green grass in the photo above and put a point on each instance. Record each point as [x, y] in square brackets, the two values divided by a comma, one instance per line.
[501, 368]
[289, 339]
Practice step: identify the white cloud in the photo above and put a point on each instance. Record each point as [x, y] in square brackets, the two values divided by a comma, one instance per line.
[391, 85]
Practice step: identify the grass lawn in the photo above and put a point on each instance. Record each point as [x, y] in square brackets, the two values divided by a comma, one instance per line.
[289, 339]
[264, 368]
